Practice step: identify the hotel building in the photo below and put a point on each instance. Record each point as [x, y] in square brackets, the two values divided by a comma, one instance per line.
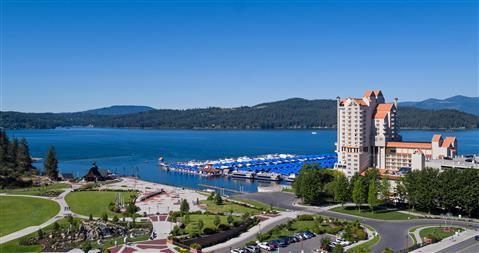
[368, 136]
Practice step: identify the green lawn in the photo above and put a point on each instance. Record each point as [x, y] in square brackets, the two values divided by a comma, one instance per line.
[208, 221]
[227, 207]
[94, 202]
[378, 214]
[437, 232]
[259, 205]
[37, 190]
[17, 213]
[365, 247]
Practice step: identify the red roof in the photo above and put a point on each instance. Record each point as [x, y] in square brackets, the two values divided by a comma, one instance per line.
[382, 110]
[448, 142]
[402, 144]
[436, 138]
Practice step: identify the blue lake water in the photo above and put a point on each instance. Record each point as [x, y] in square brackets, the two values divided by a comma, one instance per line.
[131, 150]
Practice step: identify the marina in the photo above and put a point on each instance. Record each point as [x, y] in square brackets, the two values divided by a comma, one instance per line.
[271, 167]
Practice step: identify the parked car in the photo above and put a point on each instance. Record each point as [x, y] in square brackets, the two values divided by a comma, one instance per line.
[476, 237]
[289, 239]
[238, 251]
[253, 249]
[281, 242]
[268, 245]
[300, 236]
[309, 234]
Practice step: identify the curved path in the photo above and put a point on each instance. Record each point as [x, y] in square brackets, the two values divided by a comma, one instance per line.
[394, 234]
[64, 211]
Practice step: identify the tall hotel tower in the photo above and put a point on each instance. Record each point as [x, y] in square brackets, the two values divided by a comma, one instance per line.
[368, 136]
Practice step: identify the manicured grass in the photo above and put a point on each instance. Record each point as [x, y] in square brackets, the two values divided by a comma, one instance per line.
[94, 202]
[259, 205]
[227, 207]
[37, 190]
[365, 247]
[437, 232]
[208, 221]
[378, 214]
[17, 213]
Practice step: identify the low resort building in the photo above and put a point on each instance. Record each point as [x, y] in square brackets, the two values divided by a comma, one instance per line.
[368, 136]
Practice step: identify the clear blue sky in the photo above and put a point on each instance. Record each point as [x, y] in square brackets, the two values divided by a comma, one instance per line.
[60, 56]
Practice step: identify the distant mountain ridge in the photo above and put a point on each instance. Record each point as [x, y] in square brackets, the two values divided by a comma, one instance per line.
[460, 103]
[119, 110]
[294, 113]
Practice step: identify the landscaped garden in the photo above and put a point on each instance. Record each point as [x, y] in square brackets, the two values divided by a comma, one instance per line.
[17, 213]
[70, 233]
[96, 203]
[201, 229]
[438, 233]
[380, 214]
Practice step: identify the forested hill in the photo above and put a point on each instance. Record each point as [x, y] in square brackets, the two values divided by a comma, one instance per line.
[290, 113]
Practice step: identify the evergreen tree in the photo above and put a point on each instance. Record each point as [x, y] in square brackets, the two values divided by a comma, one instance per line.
[51, 164]
[184, 207]
[4, 144]
[24, 161]
[385, 189]
[12, 153]
[218, 199]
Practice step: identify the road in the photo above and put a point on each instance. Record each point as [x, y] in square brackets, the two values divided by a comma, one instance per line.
[468, 246]
[394, 234]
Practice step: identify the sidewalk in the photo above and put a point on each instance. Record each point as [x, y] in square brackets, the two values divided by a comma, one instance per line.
[253, 232]
[447, 242]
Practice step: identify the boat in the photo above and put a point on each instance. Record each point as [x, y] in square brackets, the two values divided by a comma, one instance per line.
[290, 178]
[267, 176]
[242, 174]
[313, 133]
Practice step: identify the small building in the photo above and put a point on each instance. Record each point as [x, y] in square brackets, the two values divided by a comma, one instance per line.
[97, 174]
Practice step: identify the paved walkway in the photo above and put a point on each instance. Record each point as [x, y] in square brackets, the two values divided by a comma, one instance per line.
[157, 246]
[251, 234]
[447, 242]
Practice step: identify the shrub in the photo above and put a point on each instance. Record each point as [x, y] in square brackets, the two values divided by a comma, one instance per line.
[305, 217]
[223, 227]
[195, 246]
[237, 223]
[209, 231]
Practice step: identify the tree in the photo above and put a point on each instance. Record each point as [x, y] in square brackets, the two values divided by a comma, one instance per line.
[90, 218]
[229, 219]
[469, 193]
[340, 189]
[104, 217]
[184, 207]
[217, 220]
[218, 199]
[24, 161]
[51, 164]
[359, 192]
[200, 225]
[211, 196]
[40, 234]
[115, 219]
[12, 152]
[310, 184]
[338, 248]
[373, 200]
[422, 188]
[325, 241]
[384, 189]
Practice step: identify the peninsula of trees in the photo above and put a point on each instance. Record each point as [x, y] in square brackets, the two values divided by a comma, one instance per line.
[295, 113]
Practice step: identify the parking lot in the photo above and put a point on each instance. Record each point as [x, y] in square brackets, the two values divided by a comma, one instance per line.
[307, 245]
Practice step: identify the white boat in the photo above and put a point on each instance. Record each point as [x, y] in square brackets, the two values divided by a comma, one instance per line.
[313, 133]
[290, 178]
[267, 176]
[242, 174]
